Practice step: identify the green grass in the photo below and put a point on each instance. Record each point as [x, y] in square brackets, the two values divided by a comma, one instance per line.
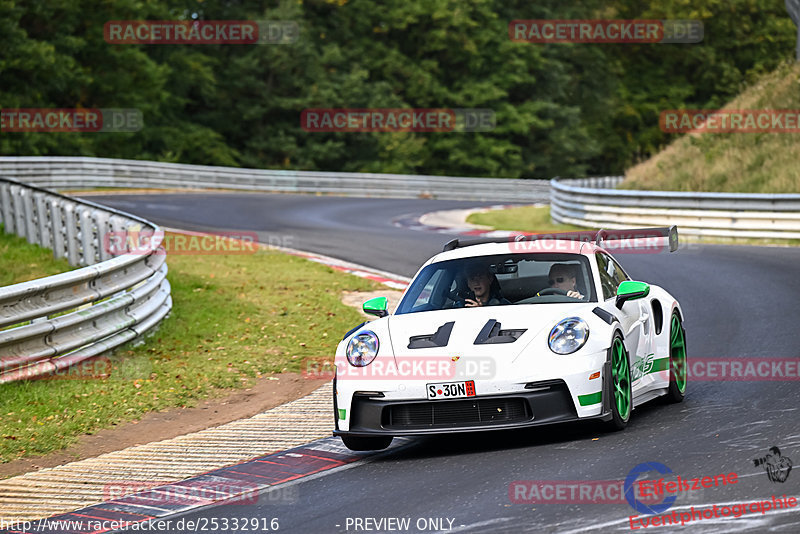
[521, 219]
[235, 319]
[20, 261]
[732, 162]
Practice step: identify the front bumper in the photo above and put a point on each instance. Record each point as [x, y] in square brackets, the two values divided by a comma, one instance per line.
[543, 403]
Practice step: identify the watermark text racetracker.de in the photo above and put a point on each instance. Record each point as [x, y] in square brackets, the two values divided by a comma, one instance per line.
[605, 31]
[198, 32]
[148, 493]
[404, 368]
[572, 492]
[95, 368]
[703, 369]
[730, 121]
[144, 241]
[647, 496]
[743, 369]
[398, 120]
[232, 493]
[83, 120]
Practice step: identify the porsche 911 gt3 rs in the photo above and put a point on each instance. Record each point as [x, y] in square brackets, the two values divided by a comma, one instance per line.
[499, 334]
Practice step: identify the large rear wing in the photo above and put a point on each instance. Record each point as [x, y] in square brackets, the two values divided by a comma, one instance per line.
[662, 238]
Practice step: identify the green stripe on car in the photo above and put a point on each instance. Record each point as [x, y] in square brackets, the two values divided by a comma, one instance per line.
[661, 364]
[591, 398]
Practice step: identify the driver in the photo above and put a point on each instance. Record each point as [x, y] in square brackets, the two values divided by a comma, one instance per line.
[563, 276]
[484, 286]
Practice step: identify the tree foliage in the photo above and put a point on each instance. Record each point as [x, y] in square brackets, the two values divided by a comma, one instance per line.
[561, 109]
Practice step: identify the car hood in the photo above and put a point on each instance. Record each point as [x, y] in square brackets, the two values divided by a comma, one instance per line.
[467, 323]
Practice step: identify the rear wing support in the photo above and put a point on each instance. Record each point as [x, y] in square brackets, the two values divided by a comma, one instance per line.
[668, 232]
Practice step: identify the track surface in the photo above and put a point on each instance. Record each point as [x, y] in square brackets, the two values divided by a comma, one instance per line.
[739, 302]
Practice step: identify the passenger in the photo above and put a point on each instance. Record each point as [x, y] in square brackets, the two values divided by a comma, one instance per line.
[484, 286]
[563, 276]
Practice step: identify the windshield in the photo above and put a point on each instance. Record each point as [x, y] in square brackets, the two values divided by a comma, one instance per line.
[500, 280]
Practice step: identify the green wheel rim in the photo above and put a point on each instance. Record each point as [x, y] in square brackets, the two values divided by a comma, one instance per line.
[621, 379]
[677, 354]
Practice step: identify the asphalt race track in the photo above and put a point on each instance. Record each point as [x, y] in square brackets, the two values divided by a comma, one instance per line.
[739, 302]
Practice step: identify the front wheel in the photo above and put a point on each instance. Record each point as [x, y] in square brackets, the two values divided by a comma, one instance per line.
[359, 443]
[677, 360]
[619, 390]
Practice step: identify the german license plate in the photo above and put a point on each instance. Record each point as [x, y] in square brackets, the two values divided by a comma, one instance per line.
[451, 390]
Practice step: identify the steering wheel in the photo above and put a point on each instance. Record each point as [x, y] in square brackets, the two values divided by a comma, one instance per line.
[551, 291]
[459, 297]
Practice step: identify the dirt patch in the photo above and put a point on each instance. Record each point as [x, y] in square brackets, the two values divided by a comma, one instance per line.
[267, 393]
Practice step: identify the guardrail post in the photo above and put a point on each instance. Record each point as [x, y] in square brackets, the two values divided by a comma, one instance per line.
[57, 227]
[71, 237]
[87, 230]
[103, 226]
[30, 217]
[19, 211]
[43, 220]
[6, 213]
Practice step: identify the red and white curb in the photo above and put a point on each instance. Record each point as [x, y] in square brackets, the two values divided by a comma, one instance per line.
[394, 281]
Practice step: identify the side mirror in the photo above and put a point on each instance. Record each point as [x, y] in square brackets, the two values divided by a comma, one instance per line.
[630, 290]
[376, 306]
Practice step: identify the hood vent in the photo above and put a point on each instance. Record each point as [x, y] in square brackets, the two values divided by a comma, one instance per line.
[440, 338]
[492, 333]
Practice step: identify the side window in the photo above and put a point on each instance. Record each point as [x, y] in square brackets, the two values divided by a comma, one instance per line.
[427, 291]
[619, 274]
[608, 282]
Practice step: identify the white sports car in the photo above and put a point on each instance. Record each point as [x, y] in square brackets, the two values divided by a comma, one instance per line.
[498, 334]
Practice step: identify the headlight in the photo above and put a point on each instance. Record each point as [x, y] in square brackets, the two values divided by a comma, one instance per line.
[568, 335]
[362, 349]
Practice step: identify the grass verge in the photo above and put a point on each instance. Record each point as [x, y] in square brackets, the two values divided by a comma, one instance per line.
[521, 219]
[234, 320]
[732, 162]
[20, 261]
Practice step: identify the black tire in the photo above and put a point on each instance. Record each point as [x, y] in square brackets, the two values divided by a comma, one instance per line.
[620, 363]
[359, 443]
[678, 361]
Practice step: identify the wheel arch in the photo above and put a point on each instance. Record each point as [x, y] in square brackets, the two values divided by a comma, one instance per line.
[676, 308]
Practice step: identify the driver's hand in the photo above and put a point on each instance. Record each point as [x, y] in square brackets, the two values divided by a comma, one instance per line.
[574, 294]
[469, 303]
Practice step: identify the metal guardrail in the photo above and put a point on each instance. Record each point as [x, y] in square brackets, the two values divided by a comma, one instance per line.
[51, 323]
[593, 202]
[74, 172]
